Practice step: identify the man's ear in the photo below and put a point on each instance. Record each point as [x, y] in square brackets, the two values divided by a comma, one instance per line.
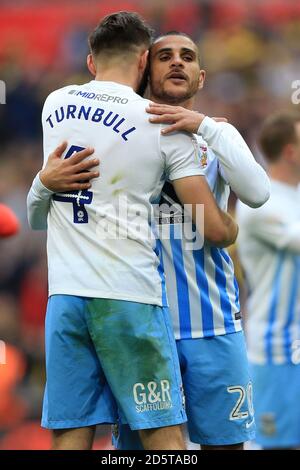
[201, 79]
[143, 61]
[91, 64]
[289, 153]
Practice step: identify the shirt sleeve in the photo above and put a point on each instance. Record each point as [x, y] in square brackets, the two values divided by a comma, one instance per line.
[180, 154]
[38, 204]
[238, 167]
[39, 197]
[266, 225]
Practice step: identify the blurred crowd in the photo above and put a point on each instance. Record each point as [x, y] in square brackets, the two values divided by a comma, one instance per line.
[251, 52]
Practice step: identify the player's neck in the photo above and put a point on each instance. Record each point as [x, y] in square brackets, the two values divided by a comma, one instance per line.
[187, 104]
[118, 75]
[284, 174]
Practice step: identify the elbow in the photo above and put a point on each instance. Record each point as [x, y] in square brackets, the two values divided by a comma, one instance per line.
[224, 233]
[220, 237]
[36, 224]
[32, 224]
[215, 237]
[259, 198]
[262, 194]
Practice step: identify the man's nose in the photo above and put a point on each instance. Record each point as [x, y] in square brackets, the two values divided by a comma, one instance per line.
[177, 61]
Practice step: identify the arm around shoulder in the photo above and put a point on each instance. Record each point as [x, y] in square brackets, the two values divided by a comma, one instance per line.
[238, 166]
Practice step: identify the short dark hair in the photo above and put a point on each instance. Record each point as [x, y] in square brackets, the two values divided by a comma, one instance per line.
[277, 131]
[120, 32]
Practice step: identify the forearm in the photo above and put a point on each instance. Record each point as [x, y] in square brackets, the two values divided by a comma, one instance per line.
[245, 176]
[232, 230]
[217, 227]
[219, 230]
[38, 204]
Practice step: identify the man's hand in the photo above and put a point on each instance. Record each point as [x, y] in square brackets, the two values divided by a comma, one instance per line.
[69, 174]
[181, 119]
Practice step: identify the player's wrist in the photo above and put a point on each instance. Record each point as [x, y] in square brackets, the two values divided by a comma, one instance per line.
[199, 122]
[44, 181]
[200, 119]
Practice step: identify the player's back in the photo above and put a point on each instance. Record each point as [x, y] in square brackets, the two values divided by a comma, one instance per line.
[99, 241]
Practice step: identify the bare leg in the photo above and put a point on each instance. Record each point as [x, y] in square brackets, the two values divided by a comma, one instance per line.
[229, 447]
[167, 438]
[73, 439]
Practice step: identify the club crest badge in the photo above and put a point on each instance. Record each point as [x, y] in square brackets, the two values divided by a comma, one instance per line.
[203, 156]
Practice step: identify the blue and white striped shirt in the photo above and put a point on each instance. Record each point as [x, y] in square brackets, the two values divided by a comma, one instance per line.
[202, 289]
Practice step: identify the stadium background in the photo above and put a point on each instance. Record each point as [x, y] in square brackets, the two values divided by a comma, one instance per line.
[251, 51]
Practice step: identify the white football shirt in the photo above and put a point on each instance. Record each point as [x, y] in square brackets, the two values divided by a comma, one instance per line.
[99, 240]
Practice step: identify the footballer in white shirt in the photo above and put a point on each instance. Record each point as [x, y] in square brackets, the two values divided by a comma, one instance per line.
[108, 334]
[269, 249]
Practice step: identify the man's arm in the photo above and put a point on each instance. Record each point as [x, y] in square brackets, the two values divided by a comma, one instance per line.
[58, 176]
[219, 227]
[181, 167]
[245, 176]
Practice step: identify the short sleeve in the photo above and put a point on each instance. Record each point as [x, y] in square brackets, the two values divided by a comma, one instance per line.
[181, 155]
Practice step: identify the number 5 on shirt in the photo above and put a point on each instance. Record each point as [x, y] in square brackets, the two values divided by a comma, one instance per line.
[78, 198]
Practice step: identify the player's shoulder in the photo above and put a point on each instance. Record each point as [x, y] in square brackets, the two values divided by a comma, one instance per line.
[139, 102]
[137, 106]
[56, 95]
[206, 154]
[200, 141]
[226, 125]
[229, 128]
[61, 91]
